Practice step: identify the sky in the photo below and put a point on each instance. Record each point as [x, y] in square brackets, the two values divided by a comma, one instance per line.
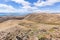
[29, 6]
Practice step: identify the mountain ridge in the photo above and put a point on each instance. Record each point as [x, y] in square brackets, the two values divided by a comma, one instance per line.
[38, 26]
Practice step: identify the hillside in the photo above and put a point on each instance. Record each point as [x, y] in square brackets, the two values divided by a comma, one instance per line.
[5, 18]
[38, 26]
[44, 18]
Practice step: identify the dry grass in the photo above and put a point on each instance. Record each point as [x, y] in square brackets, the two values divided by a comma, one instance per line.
[36, 24]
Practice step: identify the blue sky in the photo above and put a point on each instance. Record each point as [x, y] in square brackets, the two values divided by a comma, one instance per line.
[29, 6]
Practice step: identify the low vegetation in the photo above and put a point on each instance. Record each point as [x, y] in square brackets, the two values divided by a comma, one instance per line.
[31, 27]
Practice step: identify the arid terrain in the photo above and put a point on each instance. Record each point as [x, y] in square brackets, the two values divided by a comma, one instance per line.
[35, 26]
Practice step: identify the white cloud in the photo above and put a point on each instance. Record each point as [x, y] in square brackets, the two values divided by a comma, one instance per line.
[23, 2]
[10, 9]
[26, 9]
[47, 2]
[6, 8]
[26, 6]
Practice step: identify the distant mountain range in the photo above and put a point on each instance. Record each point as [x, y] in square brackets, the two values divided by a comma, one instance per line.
[13, 14]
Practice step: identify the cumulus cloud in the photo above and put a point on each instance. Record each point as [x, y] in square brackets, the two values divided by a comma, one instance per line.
[10, 9]
[23, 2]
[27, 8]
[6, 8]
[47, 2]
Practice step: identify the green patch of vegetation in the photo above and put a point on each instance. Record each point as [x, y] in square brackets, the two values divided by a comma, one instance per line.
[53, 23]
[30, 25]
[51, 30]
[50, 23]
[40, 35]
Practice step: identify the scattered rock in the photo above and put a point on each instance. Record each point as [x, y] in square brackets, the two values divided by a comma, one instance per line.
[18, 38]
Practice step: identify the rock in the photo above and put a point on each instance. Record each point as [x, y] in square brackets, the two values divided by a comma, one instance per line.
[18, 38]
[55, 28]
[43, 38]
[43, 30]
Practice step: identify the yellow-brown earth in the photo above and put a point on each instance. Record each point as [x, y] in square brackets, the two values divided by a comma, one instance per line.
[38, 26]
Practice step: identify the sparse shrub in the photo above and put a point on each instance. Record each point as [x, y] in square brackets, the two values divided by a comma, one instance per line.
[43, 38]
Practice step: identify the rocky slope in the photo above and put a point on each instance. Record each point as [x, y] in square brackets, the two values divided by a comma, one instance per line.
[44, 18]
[31, 27]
